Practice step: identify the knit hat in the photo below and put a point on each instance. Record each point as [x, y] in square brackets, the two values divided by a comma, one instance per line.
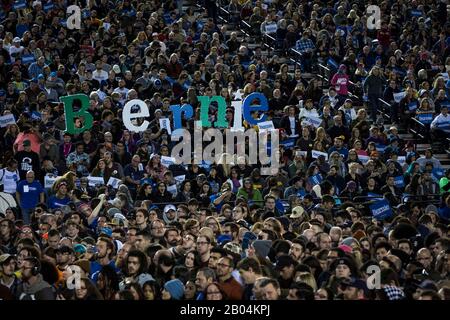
[348, 241]
[247, 239]
[431, 208]
[262, 247]
[346, 248]
[175, 288]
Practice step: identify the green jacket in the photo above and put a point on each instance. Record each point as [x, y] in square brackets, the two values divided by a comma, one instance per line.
[257, 196]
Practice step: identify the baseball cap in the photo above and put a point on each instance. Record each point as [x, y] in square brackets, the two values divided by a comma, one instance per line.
[428, 285]
[297, 212]
[169, 207]
[355, 283]
[113, 211]
[4, 258]
[65, 249]
[16, 39]
[107, 231]
[116, 68]
[233, 247]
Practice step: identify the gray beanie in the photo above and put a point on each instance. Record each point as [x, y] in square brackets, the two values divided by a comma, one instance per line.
[262, 247]
[348, 241]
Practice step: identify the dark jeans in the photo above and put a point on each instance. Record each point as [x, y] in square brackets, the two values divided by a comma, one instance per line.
[374, 105]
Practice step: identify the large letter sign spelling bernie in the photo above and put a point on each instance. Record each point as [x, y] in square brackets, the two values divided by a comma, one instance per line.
[177, 111]
[205, 102]
[82, 112]
[249, 108]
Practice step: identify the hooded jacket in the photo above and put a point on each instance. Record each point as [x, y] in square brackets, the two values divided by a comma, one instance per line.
[40, 290]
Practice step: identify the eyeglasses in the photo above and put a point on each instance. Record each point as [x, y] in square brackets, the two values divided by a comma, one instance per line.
[157, 228]
[223, 265]
[200, 243]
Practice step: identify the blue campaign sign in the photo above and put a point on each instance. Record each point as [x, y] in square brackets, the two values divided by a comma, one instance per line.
[381, 209]
[380, 147]
[28, 58]
[412, 106]
[20, 4]
[48, 6]
[316, 179]
[416, 13]
[444, 126]
[288, 143]
[425, 118]
[332, 63]
[399, 182]
[36, 115]
[374, 196]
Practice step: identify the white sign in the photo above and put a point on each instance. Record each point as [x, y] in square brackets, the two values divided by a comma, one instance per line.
[167, 161]
[94, 181]
[401, 160]
[363, 159]
[271, 28]
[114, 182]
[172, 189]
[312, 121]
[164, 123]
[315, 154]
[300, 153]
[49, 181]
[266, 126]
[180, 179]
[6, 120]
[399, 96]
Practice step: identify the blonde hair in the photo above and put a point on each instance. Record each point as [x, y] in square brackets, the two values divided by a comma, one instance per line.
[307, 277]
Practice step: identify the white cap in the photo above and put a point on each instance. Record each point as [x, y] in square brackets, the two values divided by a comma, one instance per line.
[169, 207]
[116, 69]
[16, 39]
[37, 2]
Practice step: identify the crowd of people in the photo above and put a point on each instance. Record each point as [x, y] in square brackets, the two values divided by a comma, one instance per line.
[364, 216]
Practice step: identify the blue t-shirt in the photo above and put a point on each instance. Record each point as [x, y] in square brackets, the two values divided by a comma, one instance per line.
[97, 267]
[29, 193]
[53, 202]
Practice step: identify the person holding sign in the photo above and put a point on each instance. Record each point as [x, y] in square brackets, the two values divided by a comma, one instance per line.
[394, 193]
[290, 123]
[440, 126]
[425, 112]
[408, 105]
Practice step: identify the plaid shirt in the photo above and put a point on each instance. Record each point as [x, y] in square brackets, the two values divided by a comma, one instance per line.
[303, 45]
[394, 293]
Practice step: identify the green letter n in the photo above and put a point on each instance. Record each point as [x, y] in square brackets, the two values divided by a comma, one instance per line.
[205, 102]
